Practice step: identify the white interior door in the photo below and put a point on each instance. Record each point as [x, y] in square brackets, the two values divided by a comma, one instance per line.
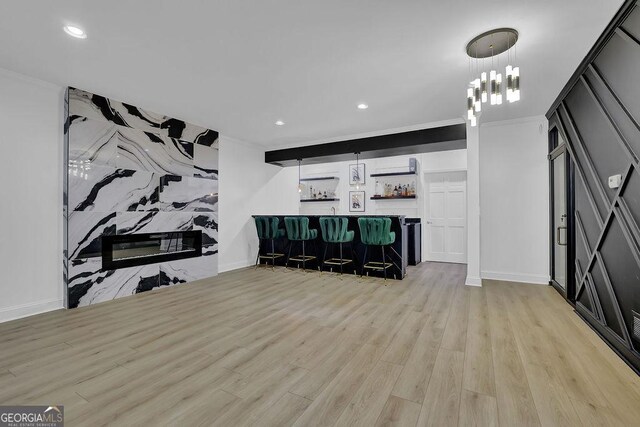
[446, 216]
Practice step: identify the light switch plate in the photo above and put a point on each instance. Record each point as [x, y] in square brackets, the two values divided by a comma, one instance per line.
[615, 181]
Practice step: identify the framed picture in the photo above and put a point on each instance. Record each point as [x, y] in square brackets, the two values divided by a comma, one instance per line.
[356, 173]
[356, 201]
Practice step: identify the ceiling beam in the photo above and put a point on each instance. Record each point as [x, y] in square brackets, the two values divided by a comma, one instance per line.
[452, 137]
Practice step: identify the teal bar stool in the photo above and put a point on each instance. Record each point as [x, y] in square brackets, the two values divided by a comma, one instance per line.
[298, 231]
[268, 231]
[334, 231]
[376, 231]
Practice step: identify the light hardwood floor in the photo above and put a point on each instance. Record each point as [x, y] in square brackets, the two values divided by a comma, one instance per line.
[267, 348]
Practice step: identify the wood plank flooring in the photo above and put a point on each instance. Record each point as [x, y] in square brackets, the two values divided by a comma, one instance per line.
[272, 348]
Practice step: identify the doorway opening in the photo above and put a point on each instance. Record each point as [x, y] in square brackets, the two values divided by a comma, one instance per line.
[560, 218]
[445, 216]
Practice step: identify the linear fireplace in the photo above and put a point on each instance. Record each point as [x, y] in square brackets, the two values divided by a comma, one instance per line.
[128, 250]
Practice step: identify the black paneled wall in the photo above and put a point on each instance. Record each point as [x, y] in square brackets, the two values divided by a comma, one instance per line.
[599, 117]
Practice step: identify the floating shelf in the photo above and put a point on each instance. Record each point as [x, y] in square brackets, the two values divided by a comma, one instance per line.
[322, 178]
[391, 197]
[318, 200]
[392, 174]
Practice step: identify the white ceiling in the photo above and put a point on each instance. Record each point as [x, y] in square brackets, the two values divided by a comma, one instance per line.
[237, 66]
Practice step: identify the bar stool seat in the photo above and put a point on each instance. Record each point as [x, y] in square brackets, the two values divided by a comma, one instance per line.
[334, 231]
[268, 230]
[376, 231]
[298, 231]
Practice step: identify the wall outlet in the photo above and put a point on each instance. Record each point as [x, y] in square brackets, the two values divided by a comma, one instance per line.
[615, 181]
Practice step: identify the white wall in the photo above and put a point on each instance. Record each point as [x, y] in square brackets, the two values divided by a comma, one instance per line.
[31, 146]
[249, 186]
[443, 161]
[514, 200]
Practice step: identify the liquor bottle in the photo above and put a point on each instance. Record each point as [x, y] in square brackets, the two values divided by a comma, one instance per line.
[377, 193]
[413, 189]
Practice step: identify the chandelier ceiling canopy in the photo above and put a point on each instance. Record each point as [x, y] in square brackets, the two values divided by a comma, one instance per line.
[492, 42]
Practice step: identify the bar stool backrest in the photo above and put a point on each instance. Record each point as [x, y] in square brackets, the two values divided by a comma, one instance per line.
[376, 231]
[334, 229]
[267, 227]
[297, 228]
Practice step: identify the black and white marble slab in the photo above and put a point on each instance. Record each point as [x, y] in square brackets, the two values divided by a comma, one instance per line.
[210, 250]
[208, 224]
[134, 171]
[92, 143]
[196, 134]
[150, 152]
[89, 284]
[106, 189]
[154, 222]
[179, 193]
[85, 230]
[86, 104]
[205, 161]
[188, 270]
[99, 143]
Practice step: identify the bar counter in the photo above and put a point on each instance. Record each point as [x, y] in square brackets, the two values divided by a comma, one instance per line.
[316, 246]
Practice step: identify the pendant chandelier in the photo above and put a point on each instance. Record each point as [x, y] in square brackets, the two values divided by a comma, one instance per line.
[488, 87]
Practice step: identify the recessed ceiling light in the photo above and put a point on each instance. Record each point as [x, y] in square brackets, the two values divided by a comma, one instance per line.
[75, 32]
[279, 123]
[362, 106]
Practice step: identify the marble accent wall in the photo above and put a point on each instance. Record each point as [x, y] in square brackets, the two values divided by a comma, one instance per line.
[134, 171]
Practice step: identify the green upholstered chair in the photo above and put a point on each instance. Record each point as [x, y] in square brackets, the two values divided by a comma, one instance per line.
[298, 231]
[376, 231]
[334, 231]
[268, 231]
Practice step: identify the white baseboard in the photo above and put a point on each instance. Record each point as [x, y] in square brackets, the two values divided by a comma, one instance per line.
[24, 310]
[234, 265]
[538, 279]
[473, 281]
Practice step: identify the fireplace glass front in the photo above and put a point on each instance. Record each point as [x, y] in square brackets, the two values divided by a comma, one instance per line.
[128, 250]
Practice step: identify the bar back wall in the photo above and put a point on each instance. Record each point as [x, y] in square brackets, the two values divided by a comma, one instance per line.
[131, 171]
